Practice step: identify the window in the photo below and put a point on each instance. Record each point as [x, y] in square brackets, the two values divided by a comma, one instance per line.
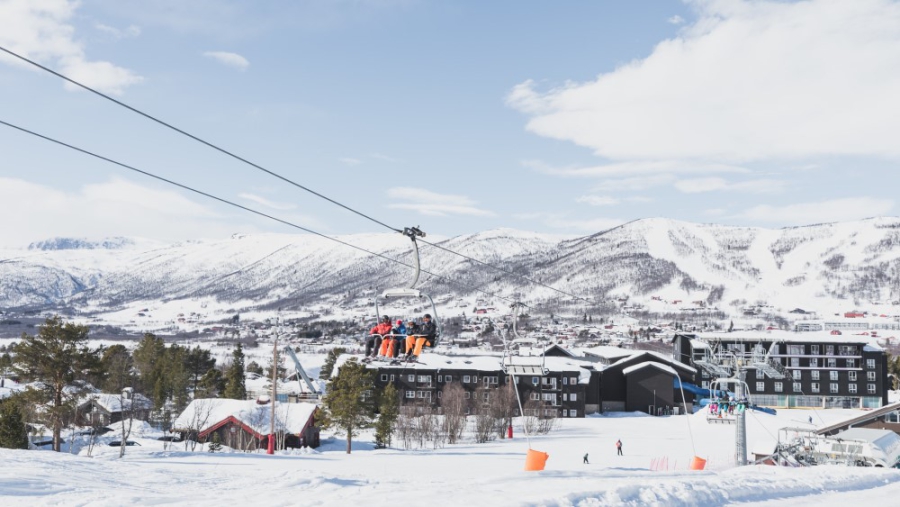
[392, 377]
[815, 387]
[829, 350]
[814, 349]
[760, 386]
[565, 381]
[475, 379]
[439, 394]
[705, 375]
[705, 384]
[870, 376]
[411, 378]
[833, 375]
[573, 380]
[535, 380]
[870, 364]
[834, 388]
[795, 362]
[797, 387]
[466, 379]
[870, 388]
[851, 376]
[815, 374]
[831, 362]
[468, 395]
[495, 380]
[384, 377]
[848, 350]
[440, 378]
[536, 396]
[798, 374]
[565, 397]
[548, 396]
[424, 379]
[573, 413]
[487, 381]
[779, 387]
[410, 394]
[573, 397]
[795, 350]
[851, 363]
[813, 362]
[852, 388]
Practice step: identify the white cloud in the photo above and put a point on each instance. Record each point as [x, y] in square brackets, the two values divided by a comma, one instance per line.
[116, 207]
[383, 157]
[233, 60]
[350, 161]
[41, 31]
[637, 183]
[835, 210]
[598, 200]
[266, 202]
[700, 185]
[431, 203]
[567, 222]
[131, 31]
[749, 80]
[632, 168]
[675, 20]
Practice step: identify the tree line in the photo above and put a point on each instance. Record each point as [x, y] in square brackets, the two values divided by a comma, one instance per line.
[62, 369]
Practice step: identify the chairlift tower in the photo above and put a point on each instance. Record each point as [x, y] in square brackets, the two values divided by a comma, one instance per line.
[730, 367]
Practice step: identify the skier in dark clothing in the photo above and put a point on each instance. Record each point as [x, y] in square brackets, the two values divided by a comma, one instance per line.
[585, 459]
[619, 447]
[425, 335]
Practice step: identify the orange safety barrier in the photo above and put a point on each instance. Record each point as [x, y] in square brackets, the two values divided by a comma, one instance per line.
[698, 463]
[535, 460]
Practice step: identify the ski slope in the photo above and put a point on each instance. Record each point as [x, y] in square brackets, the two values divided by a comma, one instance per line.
[464, 474]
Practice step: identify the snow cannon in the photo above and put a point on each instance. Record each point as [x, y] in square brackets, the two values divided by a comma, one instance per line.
[535, 460]
[698, 463]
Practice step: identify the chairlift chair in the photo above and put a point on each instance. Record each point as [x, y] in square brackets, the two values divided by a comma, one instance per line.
[723, 407]
[514, 364]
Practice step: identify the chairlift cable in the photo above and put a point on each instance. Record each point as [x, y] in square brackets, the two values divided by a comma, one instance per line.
[240, 206]
[267, 171]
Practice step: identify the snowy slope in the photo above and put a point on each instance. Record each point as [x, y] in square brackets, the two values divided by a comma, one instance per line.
[462, 474]
[654, 262]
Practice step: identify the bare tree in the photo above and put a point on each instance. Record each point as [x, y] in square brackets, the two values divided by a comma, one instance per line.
[199, 418]
[504, 407]
[454, 407]
[538, 419]
[485, 422]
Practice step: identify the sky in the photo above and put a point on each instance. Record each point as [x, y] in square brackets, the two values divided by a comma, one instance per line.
[557, 117]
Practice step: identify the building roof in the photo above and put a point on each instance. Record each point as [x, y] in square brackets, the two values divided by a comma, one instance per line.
[609, 352]
[649, 364]
[881, 438]
[486, 362]
[859, 419]
[113, 403]
[790, 337]
[205, 414]
[656, 356]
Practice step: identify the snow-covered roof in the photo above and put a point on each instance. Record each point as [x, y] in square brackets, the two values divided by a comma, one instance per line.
[491, 363]
[201, 415]
[113, 402]
[665, 360]
[699, 344]
[609, 352]
[881, 438]
[645, 364]
[788, 336]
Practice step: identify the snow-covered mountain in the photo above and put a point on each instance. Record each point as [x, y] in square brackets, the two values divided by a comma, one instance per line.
[652, 263]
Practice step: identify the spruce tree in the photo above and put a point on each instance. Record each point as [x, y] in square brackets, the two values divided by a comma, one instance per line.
[348, 405]
[330, 359]
[13, 432]
[235, 387]
[388, 412]
[215, 445]
[57, 356]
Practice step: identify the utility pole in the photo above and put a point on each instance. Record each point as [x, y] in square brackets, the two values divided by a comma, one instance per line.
[271, 447]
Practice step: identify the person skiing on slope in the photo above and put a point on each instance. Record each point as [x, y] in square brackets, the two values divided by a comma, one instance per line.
[619, 447]
[585, 459]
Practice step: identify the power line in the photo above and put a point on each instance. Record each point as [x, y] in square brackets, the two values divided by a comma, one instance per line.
[272, 173]
[242, 207]
[195, 138]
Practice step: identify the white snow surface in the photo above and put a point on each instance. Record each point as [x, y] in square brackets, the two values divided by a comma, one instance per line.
[463, 474]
